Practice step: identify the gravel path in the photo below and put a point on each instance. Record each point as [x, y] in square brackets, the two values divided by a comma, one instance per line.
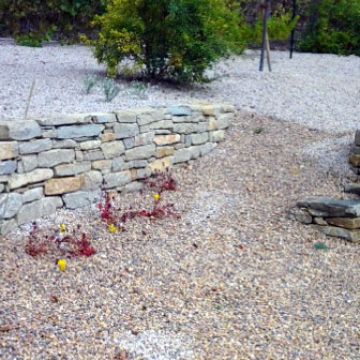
[234, 278]
[320, 91]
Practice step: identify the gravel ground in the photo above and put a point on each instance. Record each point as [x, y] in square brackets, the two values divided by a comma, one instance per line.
[234, 278]
[320, 91]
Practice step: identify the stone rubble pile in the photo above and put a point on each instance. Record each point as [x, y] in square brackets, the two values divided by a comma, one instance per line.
[65, 161]
[333, 217]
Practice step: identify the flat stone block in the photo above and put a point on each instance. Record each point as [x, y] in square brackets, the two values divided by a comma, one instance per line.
[112, 149]
[19, 130]
[140, 153]
[10, 204]
[350, 235]
[8, 167]
[35, 146]
[72, 169]
[125, 130]
[35, 176]
[8, 150]
[63, 185]
[161, 140]
[117, 179]
[81, 199]
[78, 131]
[55, 157]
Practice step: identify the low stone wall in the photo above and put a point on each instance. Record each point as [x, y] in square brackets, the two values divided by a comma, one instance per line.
[64, 161]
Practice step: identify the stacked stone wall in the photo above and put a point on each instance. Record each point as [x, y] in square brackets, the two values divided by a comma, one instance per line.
[65, 161]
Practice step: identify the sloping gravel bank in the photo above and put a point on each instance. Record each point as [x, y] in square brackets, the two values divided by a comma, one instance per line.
[319, 91]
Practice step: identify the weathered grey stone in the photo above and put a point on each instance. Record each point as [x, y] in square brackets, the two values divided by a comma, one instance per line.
[117, 179]
[55, 157]
[303, 217]
[117, 164]
[188, 128]
[2, 187]
[78, 131]
[162, 132]
[125, 130]
[195, 118]
[7, 167]
[224, 120]
[37, 209]
[35, 176]
[135, 164]
[133, 186]
[217, 136]
[144, 139]
[113, 149]
[102, 118]
[333, 207]
[142, 173]
[65, 120]
[10, 204]
[90, 145]
[28, 163]
[206, 148]
[161, 165]
[129, 143]
[354, 160]
[72, 169]
[126, 116]
[91, 155]
[49, 134]
[180, 111]
[63, 185]
[319, 221]
[92, 180]
[81, 199]
[64, 144]
[161, 140]
[162, 124]
[352, 188]
[198, 139]
[317, 213]
[19, 130]
[35, 146]
[140, 153]
[8, 150]
[106, 137]
[6, 227]
[350, 235]
[79, 155]
[182, 155]
[164, 151]
[102, 165]
[32, 195]
[348, 223]
[149, 115]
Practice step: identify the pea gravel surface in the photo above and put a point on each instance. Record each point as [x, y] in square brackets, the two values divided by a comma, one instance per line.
[318, 90]
[234, 278]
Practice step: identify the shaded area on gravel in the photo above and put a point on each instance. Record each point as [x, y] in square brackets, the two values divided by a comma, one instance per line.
[318, 90]
[235, 278]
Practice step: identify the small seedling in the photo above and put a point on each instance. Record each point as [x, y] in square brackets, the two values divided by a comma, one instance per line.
[259, 130]
[321, 246]
[89, 82]
[111, 89]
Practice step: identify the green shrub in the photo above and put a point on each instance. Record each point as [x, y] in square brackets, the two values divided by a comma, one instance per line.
[168, 39]
[333, 27]
[38, 19]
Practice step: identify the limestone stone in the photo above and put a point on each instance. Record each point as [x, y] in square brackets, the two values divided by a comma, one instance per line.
[65, 120]
[182, 155]
[133, 186]
[217, 136]
[161, 140]
[108, 137]
[125, 130]
[19, 130]
[126, 116]
[102, 118]
[348, 223]
[303, 217]
[113, 149]
[48, 134]
[162, 125]
[319, 221]
[198, 139]
[64, 144]
[72, 169]
[35, 176]
[2, 187]
[149, 115]
[332, 207]
[63, 185]
[206, 148]
[35, 146]
[92, 180]
[8, 150]
[354, 160]
[28, 163]
[188, 128]
[212, 124]
[7, 167]
[135, 164]
[101, 165]
[164, 151]
[129, 143]
[32, 195]
[10, 204]
[180, 111]
[117, 164]
[117, 179]
[208, 110]
[140, 153]
[224, 120]
[81, 199]
[55, 157]
[144, 139]
[161, 165]
[350, 235]
[39, 208]
[90, 145]
[142, 173]
[90, 155]
[6, 227]
[78, 131]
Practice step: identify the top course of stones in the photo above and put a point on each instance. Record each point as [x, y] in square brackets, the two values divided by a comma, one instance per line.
[65, 161]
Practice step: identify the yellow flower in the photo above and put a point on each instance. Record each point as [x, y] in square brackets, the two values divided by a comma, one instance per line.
[63, 228]
[62, 263]
[157, 197]
[113, 229]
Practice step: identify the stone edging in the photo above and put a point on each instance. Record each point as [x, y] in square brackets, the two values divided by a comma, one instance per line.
[64, 161]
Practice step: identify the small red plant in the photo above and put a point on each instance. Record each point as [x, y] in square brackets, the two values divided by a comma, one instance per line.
[162, 182]
[107, 209]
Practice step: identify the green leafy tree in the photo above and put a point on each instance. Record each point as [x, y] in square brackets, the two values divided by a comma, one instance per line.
[167, 39]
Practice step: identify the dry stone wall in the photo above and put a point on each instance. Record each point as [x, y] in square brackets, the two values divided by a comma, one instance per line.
[65, 161]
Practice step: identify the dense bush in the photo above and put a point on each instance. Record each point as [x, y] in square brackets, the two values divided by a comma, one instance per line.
[32, 21]
[167, 39]
[333, 27]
